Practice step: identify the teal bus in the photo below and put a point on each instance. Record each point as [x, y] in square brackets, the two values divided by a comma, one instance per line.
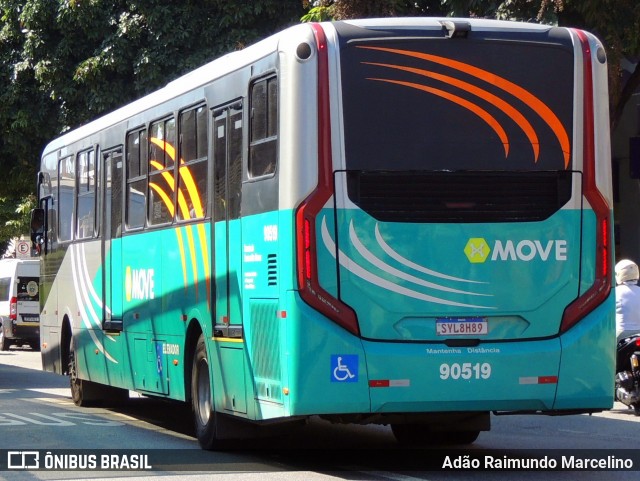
[404, 222]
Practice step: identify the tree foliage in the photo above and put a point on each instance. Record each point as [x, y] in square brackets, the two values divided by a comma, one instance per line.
[321, 10]
[64, 62]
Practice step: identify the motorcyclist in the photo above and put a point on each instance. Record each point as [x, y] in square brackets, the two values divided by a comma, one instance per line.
[627, 299]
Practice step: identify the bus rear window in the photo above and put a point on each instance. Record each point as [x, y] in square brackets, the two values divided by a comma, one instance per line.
[471, 104]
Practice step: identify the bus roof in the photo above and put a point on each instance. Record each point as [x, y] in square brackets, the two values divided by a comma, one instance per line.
[234, 60]
[192, 80]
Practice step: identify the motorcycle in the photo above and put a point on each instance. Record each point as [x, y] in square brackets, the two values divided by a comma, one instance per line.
[627, 385]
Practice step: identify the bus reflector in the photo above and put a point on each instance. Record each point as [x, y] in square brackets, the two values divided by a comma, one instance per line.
[539, 380]
[389, 383]
[307, 249]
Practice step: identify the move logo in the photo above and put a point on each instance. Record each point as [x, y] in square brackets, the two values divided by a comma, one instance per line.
[478, 250]
[139, 284]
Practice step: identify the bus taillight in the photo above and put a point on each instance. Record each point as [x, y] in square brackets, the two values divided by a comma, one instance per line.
[601, 286]
[309, 287]
[605, 252]
[307, 249]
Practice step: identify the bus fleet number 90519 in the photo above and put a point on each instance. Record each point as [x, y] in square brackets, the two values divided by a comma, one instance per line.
[465, 370]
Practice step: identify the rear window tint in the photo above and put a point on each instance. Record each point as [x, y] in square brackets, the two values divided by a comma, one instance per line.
[484, 103]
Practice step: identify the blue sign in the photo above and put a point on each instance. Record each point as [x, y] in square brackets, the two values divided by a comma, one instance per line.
[159, 358]
[344, 368]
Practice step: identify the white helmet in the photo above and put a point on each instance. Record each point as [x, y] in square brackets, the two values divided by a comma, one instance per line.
[626, 270]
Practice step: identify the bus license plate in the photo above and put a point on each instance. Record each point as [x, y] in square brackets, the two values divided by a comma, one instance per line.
[461, 326]
[30, 318]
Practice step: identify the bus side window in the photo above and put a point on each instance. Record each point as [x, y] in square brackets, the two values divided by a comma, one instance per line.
[86, 194]
[162, 152]
[66, 189]
[263, 132]
[192, 172]
[220, 166]
[136, 179]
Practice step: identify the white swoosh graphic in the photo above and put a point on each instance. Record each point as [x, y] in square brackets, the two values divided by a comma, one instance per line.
[80, 296]
[402, 260]
[354, 268]
[86, 282]
[364, 252]
[87, 278]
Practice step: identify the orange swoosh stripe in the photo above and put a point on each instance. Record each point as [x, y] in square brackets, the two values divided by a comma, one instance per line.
[163, 195]
[198, 208]
[508, 109]
[166, 175]
[166, 146]
[525, 96]
[480, 112]
[186, 176]
[183, 260]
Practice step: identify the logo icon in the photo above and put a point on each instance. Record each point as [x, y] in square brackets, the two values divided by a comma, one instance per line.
[23, 459]
[477, 250]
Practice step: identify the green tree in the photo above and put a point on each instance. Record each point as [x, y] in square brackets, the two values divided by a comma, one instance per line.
[65, 62]
[321, 10]
[19, 217]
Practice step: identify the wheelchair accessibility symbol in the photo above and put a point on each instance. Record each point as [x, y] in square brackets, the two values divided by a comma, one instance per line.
[344, 368]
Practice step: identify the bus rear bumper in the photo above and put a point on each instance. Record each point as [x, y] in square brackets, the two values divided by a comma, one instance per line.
[571, 372]
[490, 377]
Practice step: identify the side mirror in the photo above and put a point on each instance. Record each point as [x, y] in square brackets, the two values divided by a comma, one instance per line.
[37, 225]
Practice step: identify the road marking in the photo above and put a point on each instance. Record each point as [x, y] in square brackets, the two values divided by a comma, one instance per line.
[56, 419]
[392, 476]
[52, 400]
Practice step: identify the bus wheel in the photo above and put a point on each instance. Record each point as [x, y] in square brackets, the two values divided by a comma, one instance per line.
[80, 389]
[204, 414]
[87, 393]
[420, 434]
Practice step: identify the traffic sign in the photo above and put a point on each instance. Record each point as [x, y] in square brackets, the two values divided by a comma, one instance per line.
[23, 249]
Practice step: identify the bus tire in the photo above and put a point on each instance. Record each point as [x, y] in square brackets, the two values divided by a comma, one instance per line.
[421, 435]
[204, 414]
[81, 391]
[87, 393]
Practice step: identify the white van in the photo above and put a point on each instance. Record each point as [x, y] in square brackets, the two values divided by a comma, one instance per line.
[19, 303]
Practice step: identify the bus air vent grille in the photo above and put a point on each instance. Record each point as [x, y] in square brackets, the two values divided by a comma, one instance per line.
[265, 349]
[272, 269]
[460, 197]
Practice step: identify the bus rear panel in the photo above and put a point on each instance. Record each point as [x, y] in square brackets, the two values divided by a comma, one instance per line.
[463, 241]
